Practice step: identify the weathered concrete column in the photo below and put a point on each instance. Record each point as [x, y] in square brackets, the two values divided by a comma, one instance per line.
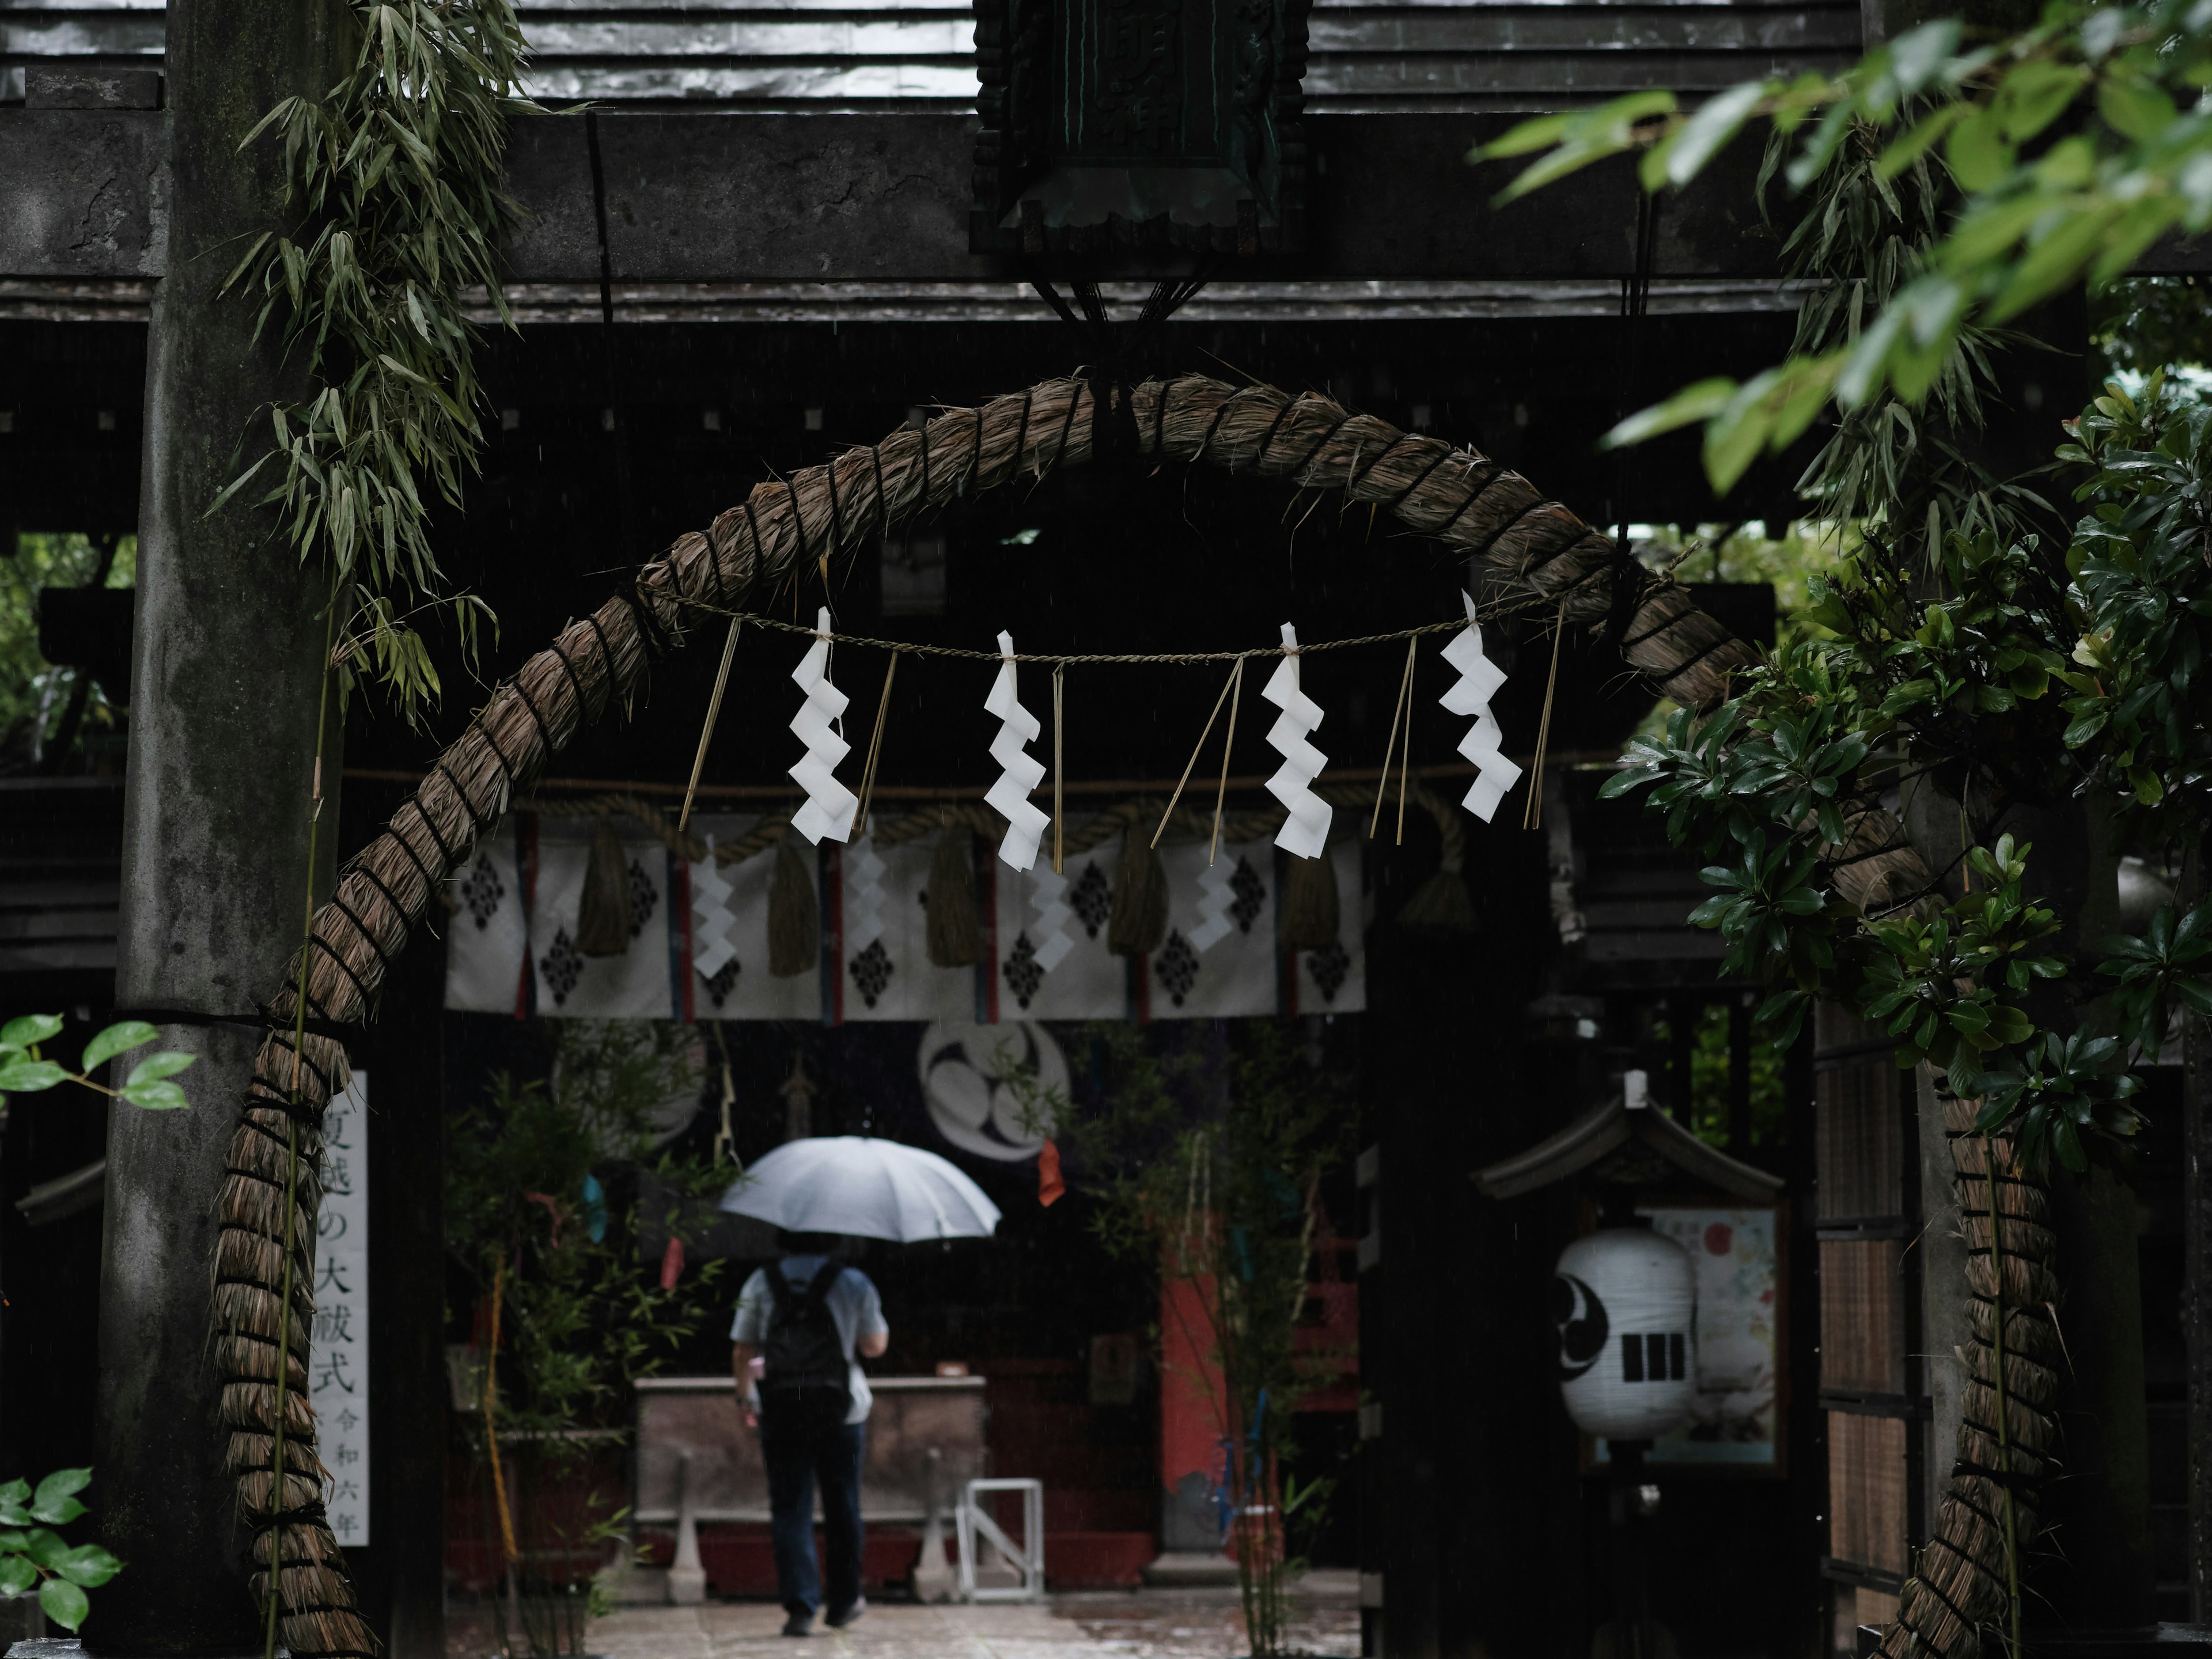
[225, 679]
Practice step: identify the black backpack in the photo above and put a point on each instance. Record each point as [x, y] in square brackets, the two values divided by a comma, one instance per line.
[804, 1371]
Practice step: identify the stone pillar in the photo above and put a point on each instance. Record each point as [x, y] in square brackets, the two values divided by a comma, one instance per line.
[226, 677]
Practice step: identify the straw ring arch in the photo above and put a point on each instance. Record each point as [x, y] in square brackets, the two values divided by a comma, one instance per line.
[1528, 547]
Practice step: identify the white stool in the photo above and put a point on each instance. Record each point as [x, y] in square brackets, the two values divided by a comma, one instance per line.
[976, 1527]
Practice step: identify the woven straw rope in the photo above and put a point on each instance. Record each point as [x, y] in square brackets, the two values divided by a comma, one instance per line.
[1529, 549]
[1959, 1582]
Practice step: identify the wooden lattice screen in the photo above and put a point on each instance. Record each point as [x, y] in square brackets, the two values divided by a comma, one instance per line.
[1871, 1386]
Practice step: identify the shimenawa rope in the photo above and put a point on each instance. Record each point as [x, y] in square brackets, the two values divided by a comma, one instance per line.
[1526, 548]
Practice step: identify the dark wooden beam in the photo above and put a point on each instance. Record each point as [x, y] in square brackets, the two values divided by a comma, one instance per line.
[886, 197]
[780, 197]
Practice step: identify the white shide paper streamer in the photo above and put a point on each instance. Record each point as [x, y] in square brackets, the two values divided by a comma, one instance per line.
[1304, 834]
[829, 805]
[1049, 899]
[711, 921]
[1020, 773]
[1479, 680]
[1217, 897]
[864, 894]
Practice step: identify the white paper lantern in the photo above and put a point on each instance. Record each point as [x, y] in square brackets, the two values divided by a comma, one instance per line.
[1625, 1303]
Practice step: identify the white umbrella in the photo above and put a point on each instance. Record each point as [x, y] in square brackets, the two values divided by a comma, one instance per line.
[859, 1185]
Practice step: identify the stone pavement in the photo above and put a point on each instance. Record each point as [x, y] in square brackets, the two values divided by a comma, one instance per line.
[1149, 1623]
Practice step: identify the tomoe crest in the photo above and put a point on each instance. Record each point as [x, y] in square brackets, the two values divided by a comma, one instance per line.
[1580, 1316]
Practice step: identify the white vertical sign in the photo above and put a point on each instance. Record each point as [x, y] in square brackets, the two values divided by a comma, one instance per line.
[337, 1372]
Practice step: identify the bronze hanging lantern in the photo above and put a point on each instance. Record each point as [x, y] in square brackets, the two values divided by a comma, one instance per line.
[1140, 123]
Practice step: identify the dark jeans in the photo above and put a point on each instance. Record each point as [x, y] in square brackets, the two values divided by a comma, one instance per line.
[798, 1454]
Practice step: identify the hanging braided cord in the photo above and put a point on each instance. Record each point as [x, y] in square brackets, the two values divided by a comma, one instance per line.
[1529, 550]
[1114, 659]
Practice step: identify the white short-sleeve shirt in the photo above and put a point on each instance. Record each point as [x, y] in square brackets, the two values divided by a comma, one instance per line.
[855, 1306]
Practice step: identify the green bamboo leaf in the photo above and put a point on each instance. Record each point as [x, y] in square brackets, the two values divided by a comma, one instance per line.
[1803, 392]
[1865, 368]
[2034, 95]
[1700, 402]
[2056, 260]
[2137, 110]
[1915, 141]
[2126, 242]
[1917, 57]
[1682, 155]
[1581, 138]
[1977, 149]
[1985, 234]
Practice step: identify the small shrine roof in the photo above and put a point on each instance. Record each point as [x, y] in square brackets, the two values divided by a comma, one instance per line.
[1627, 1142]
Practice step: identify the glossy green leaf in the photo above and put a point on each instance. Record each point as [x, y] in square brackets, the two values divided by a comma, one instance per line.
[64, 1602]
[160, 1095]
[29, 1076]
[89, 1564]
[1625, 780]
[16, 1576]
[155, 1068]
[28, 1029]
[45, 1546]
[115, 1040]
[54, 1502]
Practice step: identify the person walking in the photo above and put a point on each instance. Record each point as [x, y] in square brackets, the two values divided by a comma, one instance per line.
[809, 1322]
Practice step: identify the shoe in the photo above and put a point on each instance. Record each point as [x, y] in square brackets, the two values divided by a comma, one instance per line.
[846, 1615]
[800, 1624]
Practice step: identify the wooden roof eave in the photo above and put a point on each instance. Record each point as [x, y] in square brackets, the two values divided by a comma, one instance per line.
[1604, 1130]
